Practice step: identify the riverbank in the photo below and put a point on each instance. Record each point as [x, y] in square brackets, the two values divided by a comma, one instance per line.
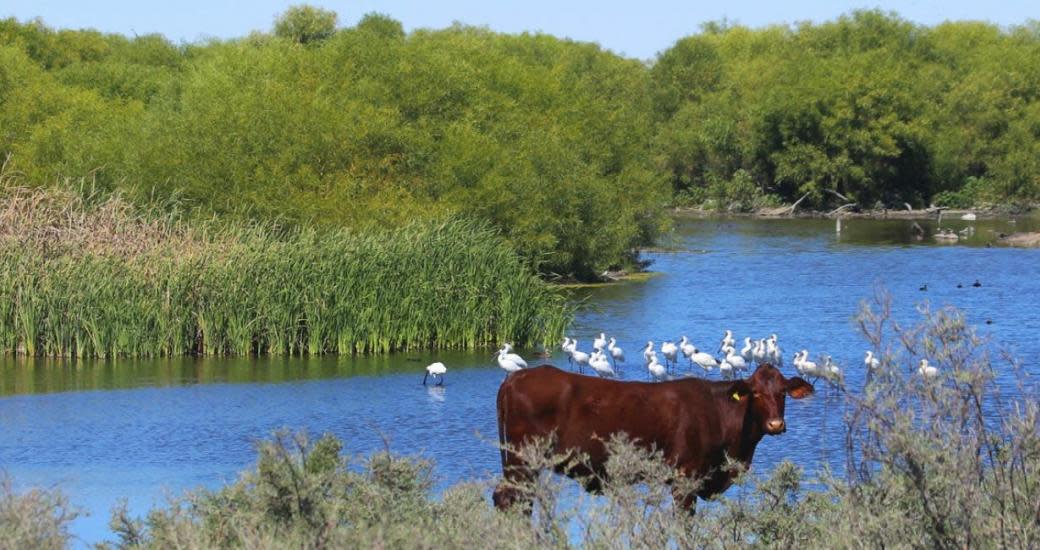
[886, 214]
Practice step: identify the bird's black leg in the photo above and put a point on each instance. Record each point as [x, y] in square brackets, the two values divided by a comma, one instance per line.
[424, 378]
[441, 380]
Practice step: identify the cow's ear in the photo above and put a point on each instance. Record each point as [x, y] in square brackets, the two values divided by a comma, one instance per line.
[798, 388]
[739, 390]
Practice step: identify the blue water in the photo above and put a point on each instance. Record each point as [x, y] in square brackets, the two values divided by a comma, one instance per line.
[143, 430]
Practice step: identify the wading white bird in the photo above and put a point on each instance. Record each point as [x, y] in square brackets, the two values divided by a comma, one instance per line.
[670, 352]
[726, 369]
[745, 352]
[686, 348]
[599, 363]
[600, 342]
[773, 353]
[705, 360]
[727, 340]
[507, 352]
[507, 364]
[870, 361]
[735, 361]
[579, 357]
[657, 371]
[437, 371]
[648, 352]
[616, 353]
[805, 366]
[830, 370]
[926, 370]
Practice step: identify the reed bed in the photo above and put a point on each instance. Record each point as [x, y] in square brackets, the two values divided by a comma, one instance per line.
[84, 277]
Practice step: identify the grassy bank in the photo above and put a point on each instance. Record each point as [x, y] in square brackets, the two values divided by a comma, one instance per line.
[90, 278]
[947, 462]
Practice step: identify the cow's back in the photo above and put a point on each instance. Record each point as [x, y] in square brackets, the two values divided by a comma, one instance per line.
[581, 412]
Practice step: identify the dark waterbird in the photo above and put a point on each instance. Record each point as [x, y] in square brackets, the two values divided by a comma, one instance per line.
[695, 423]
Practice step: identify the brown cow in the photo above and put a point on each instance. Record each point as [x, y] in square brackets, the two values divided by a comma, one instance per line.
[695, 423]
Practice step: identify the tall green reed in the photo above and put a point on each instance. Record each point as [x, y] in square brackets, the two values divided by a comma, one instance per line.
[106, 280]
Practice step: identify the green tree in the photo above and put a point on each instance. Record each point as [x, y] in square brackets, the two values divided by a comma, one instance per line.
[304, 24]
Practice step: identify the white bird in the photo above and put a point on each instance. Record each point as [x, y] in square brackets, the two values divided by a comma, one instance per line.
[735, 361]
[758, 353]
[567, 348]
[579, 357]
[685, 347]
[600, 342]
[829, 369]
[727, 340]
[870, 361]
[599, 363]
[705, 360]
[745, 352]
[926, 370]
[726, 350]
[726, 369]
[507, 350]
[616, 353]
[773, 353]
[507, 364]
[648, 352]
[657, 370]
[807, 367]
[670, 352]
[435, 370]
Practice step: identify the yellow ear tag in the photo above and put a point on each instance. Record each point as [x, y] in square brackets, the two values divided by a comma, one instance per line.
[736, 396]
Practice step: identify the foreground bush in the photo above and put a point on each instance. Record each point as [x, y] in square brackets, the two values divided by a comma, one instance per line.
[104, 279]
[35, 519]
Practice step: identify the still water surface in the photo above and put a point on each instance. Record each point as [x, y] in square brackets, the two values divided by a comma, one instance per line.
[141, 430]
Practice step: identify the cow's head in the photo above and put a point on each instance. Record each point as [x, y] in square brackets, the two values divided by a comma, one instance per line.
[766, 391]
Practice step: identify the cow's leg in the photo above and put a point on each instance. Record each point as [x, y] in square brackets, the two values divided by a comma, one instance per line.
[510, 489]
[685, 499]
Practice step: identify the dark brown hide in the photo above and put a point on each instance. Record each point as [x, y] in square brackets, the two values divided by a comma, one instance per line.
[695, 423]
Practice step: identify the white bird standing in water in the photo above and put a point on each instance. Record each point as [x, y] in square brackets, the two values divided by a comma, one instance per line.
[773, 352]
[599, 363]
[507, 364]
[926, 370]
[648, 352]
[727, 340]
[735, 361]
[435, 370]
[580, 357]
[616, 353]
[670, 352]
[870, 361]
[686, 348]
[507, 352]
[600, 342]
[705, 360]
[726, 369]
[657, 370]
[745, 352]
[758, 353]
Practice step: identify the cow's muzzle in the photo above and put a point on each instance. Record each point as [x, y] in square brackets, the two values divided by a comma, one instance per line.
[776, 426]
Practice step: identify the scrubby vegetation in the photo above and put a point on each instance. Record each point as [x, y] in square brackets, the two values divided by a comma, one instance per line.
[91, 277]
[948, 462]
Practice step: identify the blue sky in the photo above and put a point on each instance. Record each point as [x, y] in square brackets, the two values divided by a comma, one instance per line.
[634, 28]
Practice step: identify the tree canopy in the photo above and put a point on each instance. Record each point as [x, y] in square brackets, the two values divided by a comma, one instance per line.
[569, 150]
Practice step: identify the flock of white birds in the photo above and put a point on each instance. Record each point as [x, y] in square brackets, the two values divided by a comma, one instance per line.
[607, 358]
